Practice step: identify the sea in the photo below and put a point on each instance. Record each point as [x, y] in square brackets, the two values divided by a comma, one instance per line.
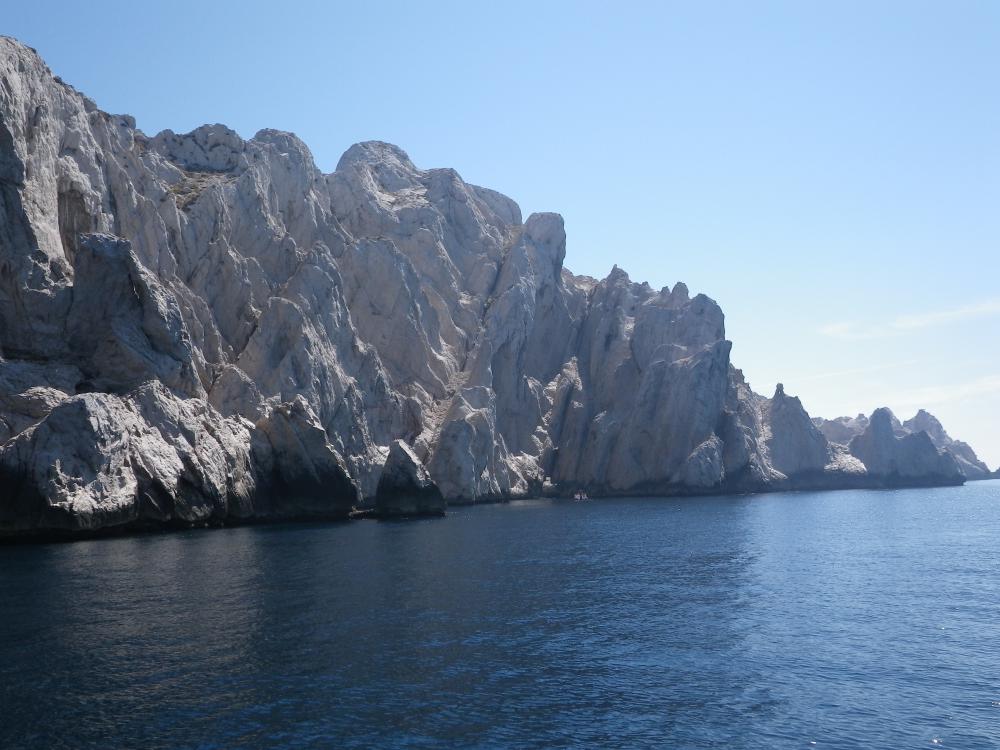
[854, 619]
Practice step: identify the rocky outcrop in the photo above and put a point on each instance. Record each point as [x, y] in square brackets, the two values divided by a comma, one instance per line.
[902, 460]
[149, 458]
[123, 328]
[966, 458]
[298, 471]
[30, 390]
[801, 453]
[405, 487]
[794, 444]
[844, 429]
[100, 460]
[202, 328]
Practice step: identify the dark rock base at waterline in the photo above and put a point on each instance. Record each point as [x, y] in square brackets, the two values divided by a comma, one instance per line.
[146, 526]
[409, 510]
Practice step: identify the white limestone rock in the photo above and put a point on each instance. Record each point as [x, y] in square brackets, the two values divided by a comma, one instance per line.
[902, 460]
[30, 390]
[654, 372]
[968, 462]
[744, 431]
[843, 467]
[313, 320]
[299, 474]
[123, 327]
[405, 487]
[843, 429]
[795, 445]
[98, 460]
[703, 469]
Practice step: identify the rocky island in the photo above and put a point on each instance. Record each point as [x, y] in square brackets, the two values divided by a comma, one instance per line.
[199, 329]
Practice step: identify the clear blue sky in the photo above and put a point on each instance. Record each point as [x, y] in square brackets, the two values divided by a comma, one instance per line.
[829, 172]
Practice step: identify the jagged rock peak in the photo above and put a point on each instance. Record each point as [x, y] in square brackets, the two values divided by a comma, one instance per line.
[617, 275]
[924, 420]
[882, 419]
[370, 153]
[547, 233]
[286, 144]
[15, 51]
[902, 458]
[795, 445]
[843, 429]
[968, 461]
[208, 148]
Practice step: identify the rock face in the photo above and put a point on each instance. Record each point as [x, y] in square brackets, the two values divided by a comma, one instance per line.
[405, 487]
[801, 452]
[966, 458]
[149, 458]
[843, 430]
[795, 445]
[298, 471]
[99, 460]
[902, 460]
[197, 327]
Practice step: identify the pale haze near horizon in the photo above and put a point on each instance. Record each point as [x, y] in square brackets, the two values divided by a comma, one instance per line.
[829, 174]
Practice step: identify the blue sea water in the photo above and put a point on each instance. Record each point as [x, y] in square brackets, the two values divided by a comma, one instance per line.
[802, 620]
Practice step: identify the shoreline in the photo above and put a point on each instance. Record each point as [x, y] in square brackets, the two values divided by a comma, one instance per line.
[145, 528]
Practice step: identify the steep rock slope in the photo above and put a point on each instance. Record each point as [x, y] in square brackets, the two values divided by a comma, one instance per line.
[405, 487]
[905, 459]
[200, 327]
[843, 430]
[966, 458]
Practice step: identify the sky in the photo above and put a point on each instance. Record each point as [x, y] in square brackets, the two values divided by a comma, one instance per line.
[828, 172]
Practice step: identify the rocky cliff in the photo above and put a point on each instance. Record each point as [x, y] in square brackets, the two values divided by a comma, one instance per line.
[966, 458]
[843, 430]
[901, 459]
[200, 328]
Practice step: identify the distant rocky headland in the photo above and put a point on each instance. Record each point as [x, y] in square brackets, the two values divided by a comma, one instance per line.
[204, 329]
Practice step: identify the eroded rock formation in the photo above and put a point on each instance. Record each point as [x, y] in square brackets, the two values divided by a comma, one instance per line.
[966, 458]
[405, 487]
[198, 327]
[902, 459]
[843, 430]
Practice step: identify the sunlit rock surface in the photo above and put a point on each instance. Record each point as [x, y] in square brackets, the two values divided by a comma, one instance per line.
[966, 458]
[197, 327]
[843, 430]
[900, 459]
